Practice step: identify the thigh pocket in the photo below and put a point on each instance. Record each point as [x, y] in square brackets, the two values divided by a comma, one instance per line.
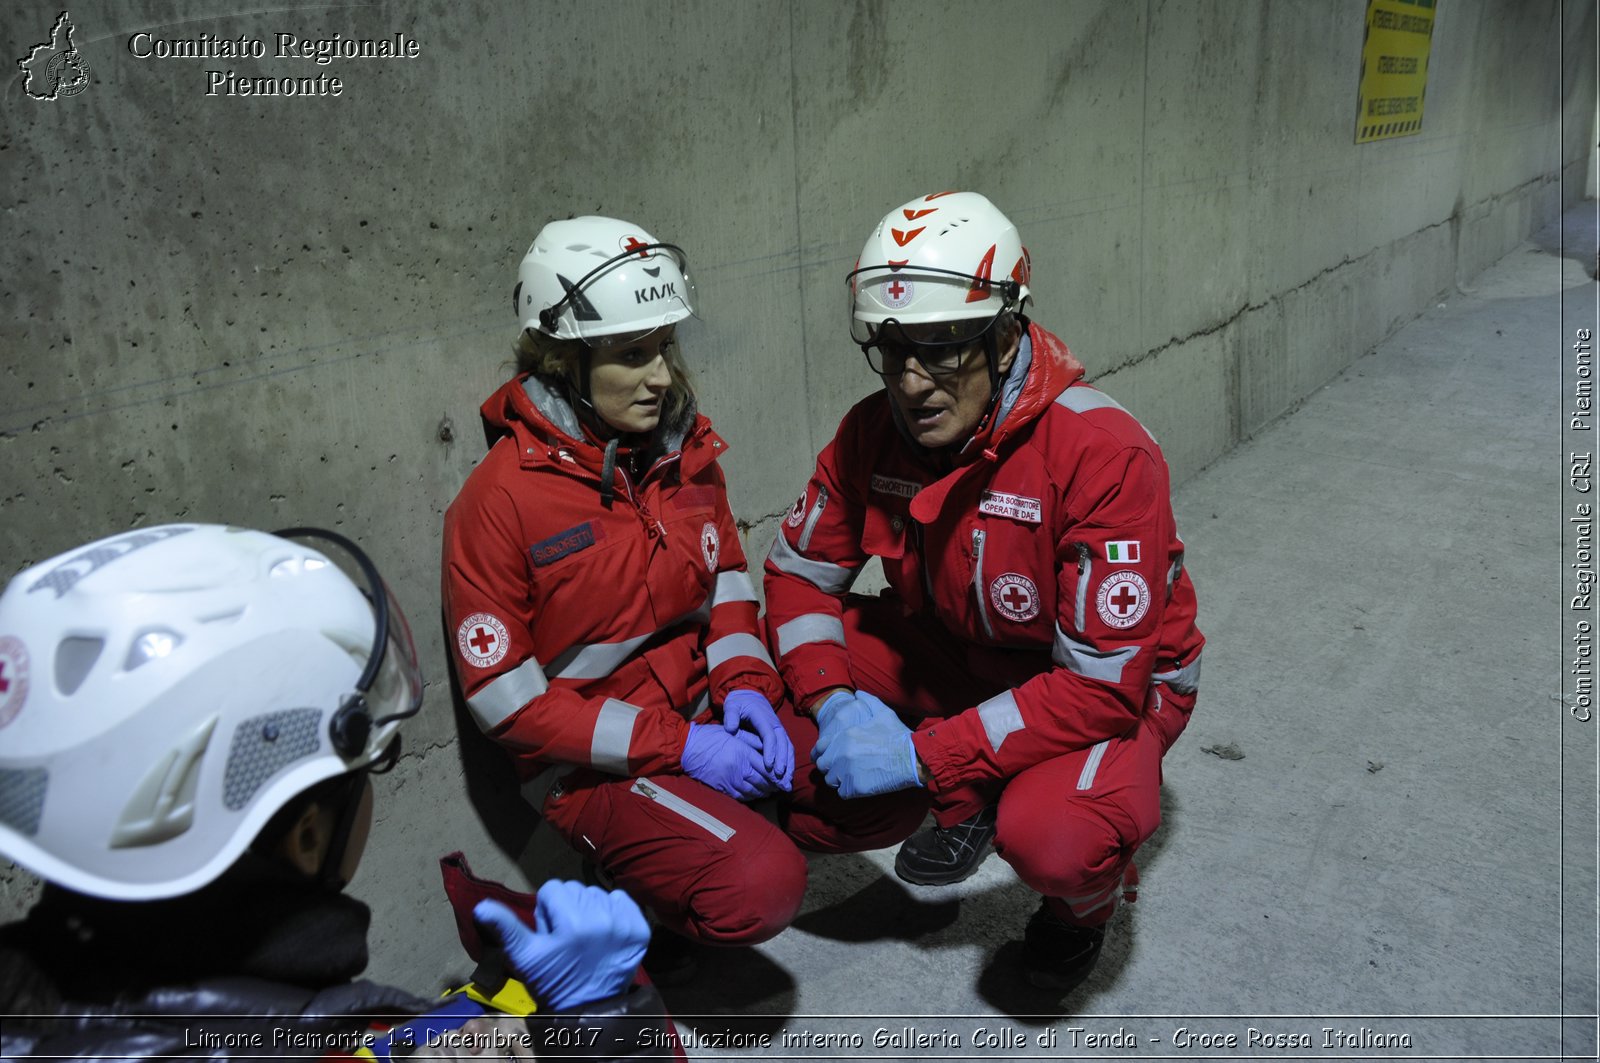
[652, 790]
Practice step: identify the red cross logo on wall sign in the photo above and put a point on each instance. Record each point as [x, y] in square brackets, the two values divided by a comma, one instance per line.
[1123, 599]
[482, 640]
[1015, 597]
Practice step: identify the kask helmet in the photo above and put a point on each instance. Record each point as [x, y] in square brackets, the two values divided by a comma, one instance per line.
[602, 281]
[163, 692]
[949, 259]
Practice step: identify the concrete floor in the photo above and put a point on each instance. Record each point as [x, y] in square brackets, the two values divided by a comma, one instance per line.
[1406, 846]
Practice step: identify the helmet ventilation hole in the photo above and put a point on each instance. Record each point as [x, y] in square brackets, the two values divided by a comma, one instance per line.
[75, 656]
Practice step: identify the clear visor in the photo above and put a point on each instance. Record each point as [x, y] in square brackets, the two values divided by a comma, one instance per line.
[396, 691]
[924, 305]
[627, 297]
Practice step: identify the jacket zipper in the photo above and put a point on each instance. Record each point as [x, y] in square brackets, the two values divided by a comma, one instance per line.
[698, 816]
[811, 520]
[1085, 569]
[651, 523]
[977, 581]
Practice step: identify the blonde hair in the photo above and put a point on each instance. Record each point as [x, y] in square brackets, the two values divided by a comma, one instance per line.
[559, 360]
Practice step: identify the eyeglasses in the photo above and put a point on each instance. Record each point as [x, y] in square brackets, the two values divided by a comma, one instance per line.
[889, 358]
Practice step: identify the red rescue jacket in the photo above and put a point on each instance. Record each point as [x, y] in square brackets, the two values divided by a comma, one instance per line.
[1050, 548]
[586, 634]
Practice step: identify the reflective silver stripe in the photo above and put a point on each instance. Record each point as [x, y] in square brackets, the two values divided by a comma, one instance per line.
[1174, 572]
[613, 734]
[1077, 904]
[596, 660]
[1083, 659]
[1000, 717]
[1185, 680]
[1082, 399]
[1092, 765]
[811, 521]
[823, 575]
[701, 704]
[728, 647]
[812, 627]
[733, 587]
[503, 695]
[651, 789]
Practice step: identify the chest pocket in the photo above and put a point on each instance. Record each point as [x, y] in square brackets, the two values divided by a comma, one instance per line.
[883, 534]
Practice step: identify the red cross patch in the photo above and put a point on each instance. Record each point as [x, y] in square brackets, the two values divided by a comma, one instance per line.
[710, 543]
[13, 678]
[897, 292]
[1123, 599]
[798, 513]
[1015, 596]
[483, 640]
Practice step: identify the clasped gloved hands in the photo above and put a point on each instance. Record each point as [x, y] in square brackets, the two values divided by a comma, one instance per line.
[777, 752]
[731, 763]
[872, 757]
[842, 710]
[587, 945]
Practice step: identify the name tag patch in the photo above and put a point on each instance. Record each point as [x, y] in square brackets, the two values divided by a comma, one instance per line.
[549, 551]
[893, 485]
[1017, 507]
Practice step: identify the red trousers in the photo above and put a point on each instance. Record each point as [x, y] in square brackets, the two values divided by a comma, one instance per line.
[708, 866]
[1068, 826]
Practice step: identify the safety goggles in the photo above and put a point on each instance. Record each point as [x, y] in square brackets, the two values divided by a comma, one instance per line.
[941, 348]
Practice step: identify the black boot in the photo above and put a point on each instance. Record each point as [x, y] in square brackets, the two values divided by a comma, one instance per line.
[1057, 954]
[939, 856]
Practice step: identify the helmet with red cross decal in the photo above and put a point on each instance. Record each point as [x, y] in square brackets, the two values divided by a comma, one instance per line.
[603, 281]
[165, 691]
[950, 263]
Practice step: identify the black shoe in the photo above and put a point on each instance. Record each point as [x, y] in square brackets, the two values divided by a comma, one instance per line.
[942, 855]
[671, 958]
[1056, 954]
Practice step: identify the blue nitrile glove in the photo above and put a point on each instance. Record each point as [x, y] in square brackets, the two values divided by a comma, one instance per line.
[874, 757]
[841, 711]
[777, 752]
[727, 762]
[587, 946]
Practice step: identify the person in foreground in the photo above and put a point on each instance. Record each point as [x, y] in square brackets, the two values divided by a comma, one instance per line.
[604, 619]
[189, 716]
[1038, 634]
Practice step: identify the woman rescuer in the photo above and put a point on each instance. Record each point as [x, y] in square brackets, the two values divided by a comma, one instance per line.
[604, 621]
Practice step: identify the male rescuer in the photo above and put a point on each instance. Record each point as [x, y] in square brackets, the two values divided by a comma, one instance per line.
[1036, 652]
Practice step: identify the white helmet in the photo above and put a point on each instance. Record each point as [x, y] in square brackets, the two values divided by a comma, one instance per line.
[163, 692]
[602, 281]
[950, 257]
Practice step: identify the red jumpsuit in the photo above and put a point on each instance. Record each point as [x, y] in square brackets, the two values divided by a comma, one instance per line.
[590, 632]
[1039, 629]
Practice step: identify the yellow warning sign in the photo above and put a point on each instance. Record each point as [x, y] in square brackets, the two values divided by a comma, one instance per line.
[1394, 68]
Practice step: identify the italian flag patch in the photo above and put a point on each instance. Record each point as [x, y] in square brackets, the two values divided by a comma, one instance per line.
[1123, 552]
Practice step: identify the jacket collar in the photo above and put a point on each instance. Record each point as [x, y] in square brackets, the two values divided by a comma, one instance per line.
[538, 413]
[1042, 370]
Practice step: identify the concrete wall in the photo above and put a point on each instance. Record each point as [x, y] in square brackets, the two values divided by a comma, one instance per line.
[275, 311]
